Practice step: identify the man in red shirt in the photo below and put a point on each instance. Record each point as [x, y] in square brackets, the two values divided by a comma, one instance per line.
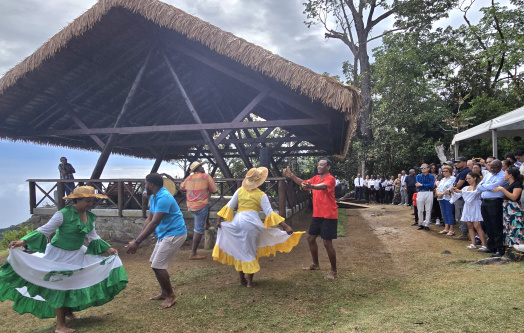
[325, 214]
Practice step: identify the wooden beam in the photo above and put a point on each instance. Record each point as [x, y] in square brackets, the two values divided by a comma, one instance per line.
[242, 154]
[243, 114]
[155, 167]
[183, 127]
[259, 139]
[104, 156]
[259, 85]
[209, 140]
[79, 122]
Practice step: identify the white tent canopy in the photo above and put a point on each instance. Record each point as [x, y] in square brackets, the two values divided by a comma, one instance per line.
[508, 125]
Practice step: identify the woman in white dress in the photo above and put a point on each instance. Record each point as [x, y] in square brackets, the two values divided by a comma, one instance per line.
[243, 237]
[472, 211]
[64, 275]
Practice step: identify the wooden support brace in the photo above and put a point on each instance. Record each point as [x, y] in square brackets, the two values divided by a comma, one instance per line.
[209, 141]
[104, 156]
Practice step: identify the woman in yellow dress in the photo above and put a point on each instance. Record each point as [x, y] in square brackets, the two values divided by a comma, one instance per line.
[244, 237]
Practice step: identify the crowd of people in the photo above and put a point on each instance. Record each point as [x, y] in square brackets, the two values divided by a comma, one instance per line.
[482, 196]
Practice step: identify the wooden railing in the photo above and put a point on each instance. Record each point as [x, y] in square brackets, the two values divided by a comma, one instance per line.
[128, 193]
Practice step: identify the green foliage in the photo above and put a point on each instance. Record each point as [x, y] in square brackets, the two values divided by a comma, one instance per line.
[14, 235]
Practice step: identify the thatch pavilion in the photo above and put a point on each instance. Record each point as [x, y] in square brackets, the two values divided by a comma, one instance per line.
[142, 78]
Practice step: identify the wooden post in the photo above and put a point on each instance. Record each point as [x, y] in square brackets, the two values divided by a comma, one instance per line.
[120, 202]
[155, 167]
[282, 198]
[210, 238]
[104, 156]
[60, 191]
[32, 197]
[145, 199]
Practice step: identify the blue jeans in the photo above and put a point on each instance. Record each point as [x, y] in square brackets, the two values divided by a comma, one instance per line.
[201, 219]
[68, 188]
[447, 211]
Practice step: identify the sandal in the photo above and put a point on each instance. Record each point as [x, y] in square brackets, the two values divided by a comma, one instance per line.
[444, 232]
[451, 233]
[471, 246]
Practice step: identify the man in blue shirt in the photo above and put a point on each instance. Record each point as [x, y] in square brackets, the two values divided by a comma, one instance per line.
[167, 220]
[460, 182]
[425, 184]
[492, 209]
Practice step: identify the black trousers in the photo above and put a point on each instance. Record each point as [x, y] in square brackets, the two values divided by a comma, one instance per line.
[382, 195]
[389, 196]
[411, 191]
[492, 212]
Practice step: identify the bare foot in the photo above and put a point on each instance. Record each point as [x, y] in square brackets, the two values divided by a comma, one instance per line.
[331, 276]
[243, 281]
[311, 267]
[250, 285]
[64, 329]
[158, 297]
[196, 257]
[169, 302]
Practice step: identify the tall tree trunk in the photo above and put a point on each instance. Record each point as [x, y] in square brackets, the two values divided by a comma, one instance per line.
[364, 121]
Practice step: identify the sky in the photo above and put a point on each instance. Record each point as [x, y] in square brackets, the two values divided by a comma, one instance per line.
[276, 25]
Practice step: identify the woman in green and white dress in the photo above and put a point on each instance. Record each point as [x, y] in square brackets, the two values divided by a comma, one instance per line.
[64, 275]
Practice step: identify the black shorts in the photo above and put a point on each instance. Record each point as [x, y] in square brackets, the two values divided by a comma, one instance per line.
[326, 228]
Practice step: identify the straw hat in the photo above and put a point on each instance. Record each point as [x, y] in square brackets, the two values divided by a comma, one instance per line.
[85, 192]
[170, 186]
[254, 178]
[195, 165]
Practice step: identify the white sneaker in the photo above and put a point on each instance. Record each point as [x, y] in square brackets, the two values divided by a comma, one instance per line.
[471, 246]
[401, 204]
[437, 222]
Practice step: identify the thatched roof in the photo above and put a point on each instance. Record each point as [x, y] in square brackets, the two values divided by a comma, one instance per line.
[128, 30]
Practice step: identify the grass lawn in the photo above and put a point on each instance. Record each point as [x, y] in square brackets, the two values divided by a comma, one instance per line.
[392, 278]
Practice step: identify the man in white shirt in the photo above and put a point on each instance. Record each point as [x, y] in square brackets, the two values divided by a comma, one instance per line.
[371, 187]
[403, 191]
[485, 164]
[359, 183]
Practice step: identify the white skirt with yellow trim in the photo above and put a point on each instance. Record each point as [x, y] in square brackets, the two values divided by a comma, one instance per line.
[245, 239]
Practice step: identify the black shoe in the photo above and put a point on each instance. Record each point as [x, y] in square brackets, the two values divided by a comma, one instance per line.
[496, 255]
[416, 223]
[486, 250]
[420, 227]
[426, 228]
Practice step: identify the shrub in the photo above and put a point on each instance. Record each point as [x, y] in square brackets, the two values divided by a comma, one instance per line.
[13, 235]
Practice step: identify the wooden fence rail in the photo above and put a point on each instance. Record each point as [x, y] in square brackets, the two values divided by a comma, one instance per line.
[128, 193]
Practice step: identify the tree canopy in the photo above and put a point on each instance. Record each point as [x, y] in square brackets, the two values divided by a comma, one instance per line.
[426, 83]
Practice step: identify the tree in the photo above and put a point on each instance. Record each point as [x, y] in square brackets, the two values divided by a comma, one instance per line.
[451, 77]
[354, 23]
